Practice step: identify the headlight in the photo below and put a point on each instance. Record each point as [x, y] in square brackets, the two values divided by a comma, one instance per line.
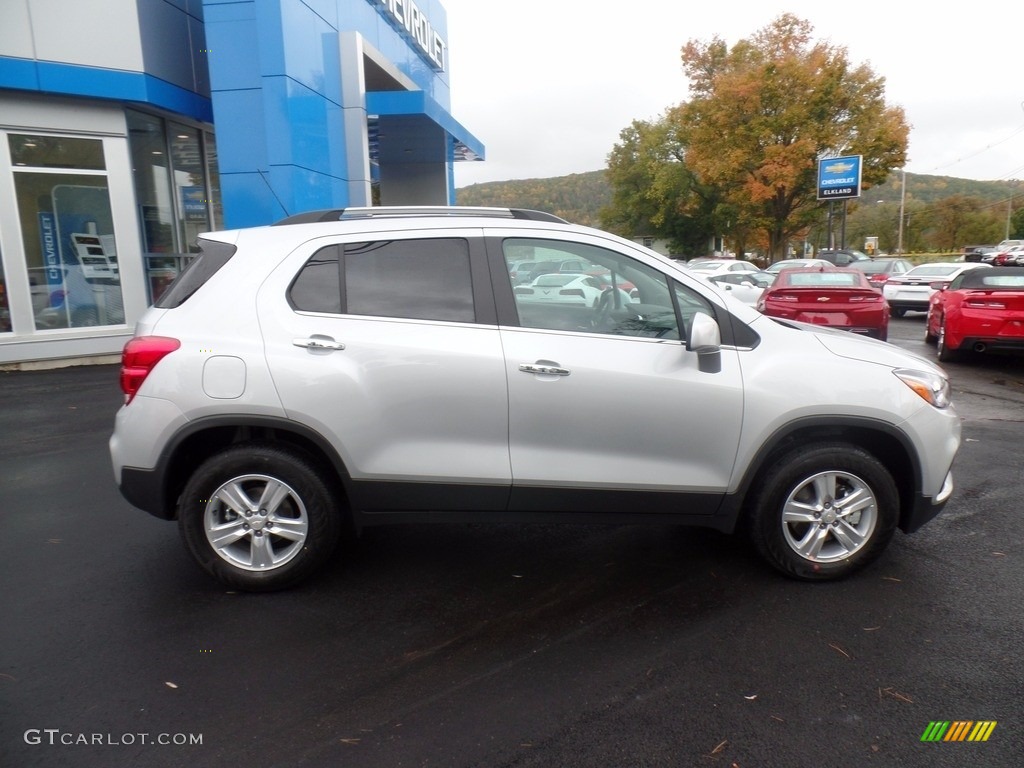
[932, 388]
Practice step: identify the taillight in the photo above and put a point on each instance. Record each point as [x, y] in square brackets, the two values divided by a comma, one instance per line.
[139, 356]
[571, 292]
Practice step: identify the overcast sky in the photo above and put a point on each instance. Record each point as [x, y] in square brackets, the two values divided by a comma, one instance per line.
[547, 85]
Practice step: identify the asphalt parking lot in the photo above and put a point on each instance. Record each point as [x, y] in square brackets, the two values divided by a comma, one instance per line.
[463, 645]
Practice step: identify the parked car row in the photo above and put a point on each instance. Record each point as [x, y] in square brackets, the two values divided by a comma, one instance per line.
[1007, 257]
[858, 297]
[1008, 253]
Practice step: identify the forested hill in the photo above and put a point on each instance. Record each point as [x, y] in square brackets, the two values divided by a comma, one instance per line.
[579, 197]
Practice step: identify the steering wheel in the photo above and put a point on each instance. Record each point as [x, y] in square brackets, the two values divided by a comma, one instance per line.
[611, 299]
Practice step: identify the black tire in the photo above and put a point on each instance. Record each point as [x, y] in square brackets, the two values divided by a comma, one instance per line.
[272, 545]
[897, 312]
[943, 352]
[809, 481]
[929, 338]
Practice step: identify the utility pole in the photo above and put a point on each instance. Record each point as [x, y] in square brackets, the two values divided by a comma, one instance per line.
[1009, 210]
[903, 201]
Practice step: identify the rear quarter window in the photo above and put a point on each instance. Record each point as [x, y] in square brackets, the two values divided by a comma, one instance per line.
[212, 255]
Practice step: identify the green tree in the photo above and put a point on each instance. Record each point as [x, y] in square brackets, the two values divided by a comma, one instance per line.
[654, 193]
[953, 217]
[1017, 222]
[764, 112]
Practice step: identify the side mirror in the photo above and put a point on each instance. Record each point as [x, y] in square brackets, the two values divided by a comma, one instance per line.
[706, 340]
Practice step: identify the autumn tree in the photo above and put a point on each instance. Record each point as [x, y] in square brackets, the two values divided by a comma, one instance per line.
[761, 115]
[763, 112]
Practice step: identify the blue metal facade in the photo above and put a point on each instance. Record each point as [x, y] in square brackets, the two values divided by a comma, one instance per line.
[270, 75]
[277, 83]
[94, 49]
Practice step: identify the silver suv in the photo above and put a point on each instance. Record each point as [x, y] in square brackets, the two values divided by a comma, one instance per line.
[350, 368]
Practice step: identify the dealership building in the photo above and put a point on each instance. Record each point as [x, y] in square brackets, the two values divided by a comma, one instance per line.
[128, 127]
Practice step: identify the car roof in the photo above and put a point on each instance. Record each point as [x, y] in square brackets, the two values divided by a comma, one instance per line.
[951, 265]
[372, 221]
[416, 211]
[1010, 278]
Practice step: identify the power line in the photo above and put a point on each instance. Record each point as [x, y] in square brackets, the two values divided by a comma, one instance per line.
[984, 149]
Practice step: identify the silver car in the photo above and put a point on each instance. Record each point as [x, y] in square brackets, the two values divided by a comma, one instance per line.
[374, 366]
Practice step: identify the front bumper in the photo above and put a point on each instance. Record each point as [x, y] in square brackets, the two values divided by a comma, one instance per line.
[926, 508]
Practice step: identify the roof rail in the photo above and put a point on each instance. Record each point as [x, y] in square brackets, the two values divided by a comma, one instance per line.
[399, 211]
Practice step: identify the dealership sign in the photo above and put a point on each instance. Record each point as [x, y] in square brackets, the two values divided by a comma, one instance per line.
[407, 16]
[839, 177]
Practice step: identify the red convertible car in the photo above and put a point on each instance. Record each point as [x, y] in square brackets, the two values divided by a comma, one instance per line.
[981, 310]
[839, 298]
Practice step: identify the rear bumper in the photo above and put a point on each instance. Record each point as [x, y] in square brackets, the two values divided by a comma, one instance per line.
[911, 304]
[143, 488]
[993, 344]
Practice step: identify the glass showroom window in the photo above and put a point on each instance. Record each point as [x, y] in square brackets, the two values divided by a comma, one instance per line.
[176, 185]
[67, 229]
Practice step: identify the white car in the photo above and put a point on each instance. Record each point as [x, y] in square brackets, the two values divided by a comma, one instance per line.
[912, 290]
[744, 286]
[778, 266]
[377, 366]
[720, 266]
[562, 287]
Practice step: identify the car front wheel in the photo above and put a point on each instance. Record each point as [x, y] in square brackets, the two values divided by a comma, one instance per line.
[824, 511]
[259, 518]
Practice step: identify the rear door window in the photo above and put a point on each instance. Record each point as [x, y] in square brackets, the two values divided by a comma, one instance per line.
[421, 279]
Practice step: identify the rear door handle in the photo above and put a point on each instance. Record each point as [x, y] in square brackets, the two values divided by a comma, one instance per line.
[318, 342]
[550, 370]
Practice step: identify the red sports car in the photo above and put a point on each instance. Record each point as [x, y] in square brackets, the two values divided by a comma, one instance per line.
[980, 310]
[838, 298]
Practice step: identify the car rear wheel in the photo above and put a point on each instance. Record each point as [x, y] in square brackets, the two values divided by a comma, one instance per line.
[824, 511]
[945, 354]
[259, 517]
[895, 312]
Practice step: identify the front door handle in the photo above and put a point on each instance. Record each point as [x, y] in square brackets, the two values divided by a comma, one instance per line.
[550, 370]
[318, 342]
